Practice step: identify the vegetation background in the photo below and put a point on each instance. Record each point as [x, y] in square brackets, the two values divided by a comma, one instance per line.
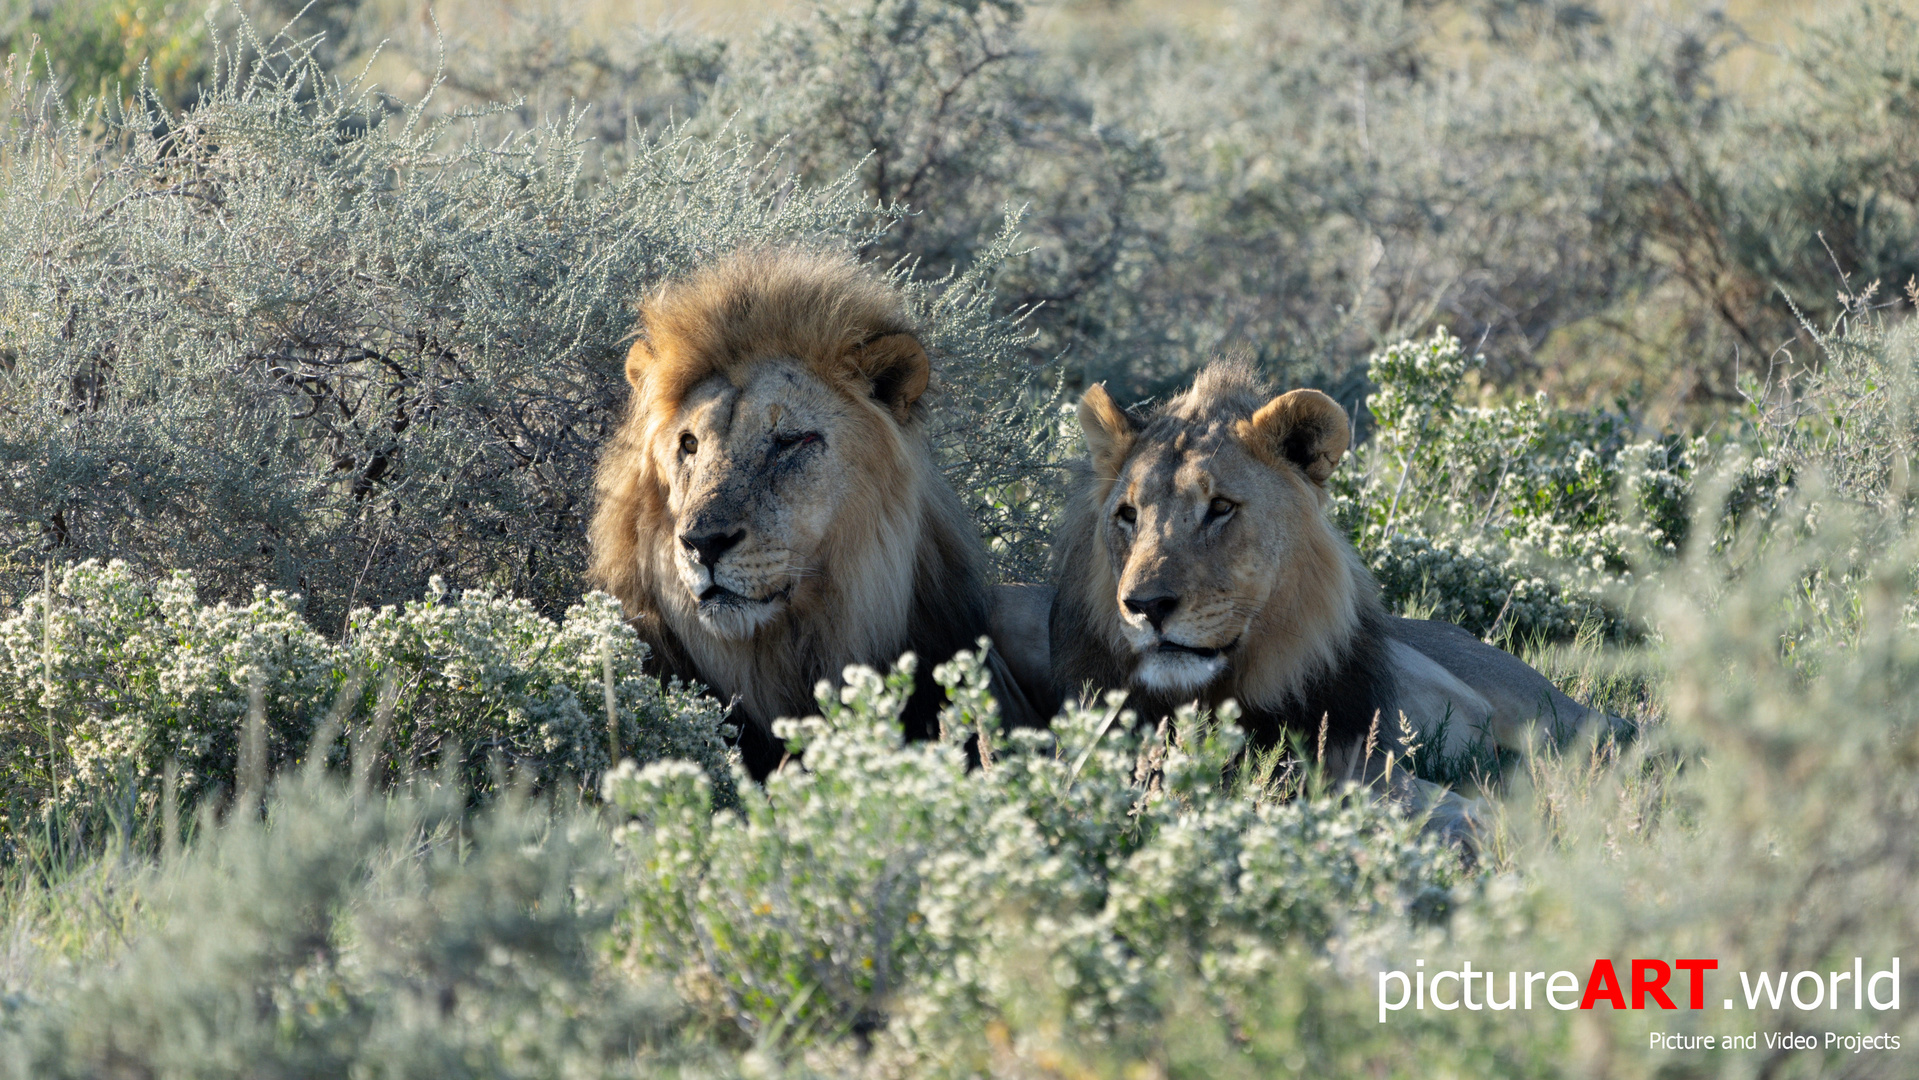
[308, 338]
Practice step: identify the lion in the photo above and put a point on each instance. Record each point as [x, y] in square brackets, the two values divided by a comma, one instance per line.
[1196, 562]
[770, 512]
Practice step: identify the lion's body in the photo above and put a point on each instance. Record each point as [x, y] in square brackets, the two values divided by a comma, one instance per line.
[1462, 694]
[1197, 563]
[1021, 614]
[770, 510]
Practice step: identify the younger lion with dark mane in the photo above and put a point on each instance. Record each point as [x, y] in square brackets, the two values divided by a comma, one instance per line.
[1196, 563]
[770, 511]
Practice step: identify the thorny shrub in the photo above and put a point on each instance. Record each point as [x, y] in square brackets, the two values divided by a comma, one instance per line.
[284, 336]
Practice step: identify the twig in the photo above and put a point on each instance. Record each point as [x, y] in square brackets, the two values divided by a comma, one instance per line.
[253, 744]
[367, 751]
[1492, 633]
[170, 810]
[46, 671]
[612, 703]
[1112, 714]
[1493, 503]
[1372, 741]
[985, 739]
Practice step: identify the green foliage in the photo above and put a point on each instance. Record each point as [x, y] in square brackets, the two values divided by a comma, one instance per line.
[1853, 417]
[130, 678]
[954, 109]
[1757, 205]
[1097, 862]
[343, 363]
[1089, 901]
[1579, 189]
[112, 51]
[287, 338]
[343, 937]
[1518, 521]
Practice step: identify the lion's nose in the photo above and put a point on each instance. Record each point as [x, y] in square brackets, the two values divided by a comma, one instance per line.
[710, 547]
[1154, 608]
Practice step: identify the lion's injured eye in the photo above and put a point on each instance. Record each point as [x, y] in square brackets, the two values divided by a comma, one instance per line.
[1219, 508]
[794, 440]
[1127, 514]
[689, 444]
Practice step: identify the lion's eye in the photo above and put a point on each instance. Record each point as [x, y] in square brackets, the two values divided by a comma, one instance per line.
[1219, 508]
[793, 441]
[1127, 514]
[689, 444]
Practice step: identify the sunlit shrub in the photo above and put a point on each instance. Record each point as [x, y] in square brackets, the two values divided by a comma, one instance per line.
[1520, 520]
[129, 679]
[889, 887]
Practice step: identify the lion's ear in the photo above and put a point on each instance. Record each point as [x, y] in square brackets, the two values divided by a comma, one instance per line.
[898, 369]
[638, 359]
[1304, 427]
[1109, 431]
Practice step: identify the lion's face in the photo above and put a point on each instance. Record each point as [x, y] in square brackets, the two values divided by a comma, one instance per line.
[756, 476]
[1211, 522]
[769, 508]
[1193, 564]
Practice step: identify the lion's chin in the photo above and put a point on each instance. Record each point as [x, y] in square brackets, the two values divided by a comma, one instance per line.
[729, 615]
[1178, 670]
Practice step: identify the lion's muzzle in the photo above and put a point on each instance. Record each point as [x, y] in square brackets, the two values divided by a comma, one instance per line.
[1175, 668]
[1166, 636]
[708, 547]
[737, 583]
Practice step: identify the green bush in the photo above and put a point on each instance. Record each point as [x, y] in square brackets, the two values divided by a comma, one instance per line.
[129, 680]
[1091, 859]
[345, 937]
[345, 367]
[1086, 902]
[1580, 189]
[1519, 521]
[112, 51]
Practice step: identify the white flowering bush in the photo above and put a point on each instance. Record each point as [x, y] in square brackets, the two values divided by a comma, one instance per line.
[887, 889]
[1518, 519]
[339, 936]
[1085, 902]
[107, 679]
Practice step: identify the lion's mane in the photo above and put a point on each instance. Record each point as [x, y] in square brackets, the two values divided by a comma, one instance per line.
[904, 568]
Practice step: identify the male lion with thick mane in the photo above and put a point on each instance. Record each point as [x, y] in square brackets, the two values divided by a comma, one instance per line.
[770, 511]
[1196, 563]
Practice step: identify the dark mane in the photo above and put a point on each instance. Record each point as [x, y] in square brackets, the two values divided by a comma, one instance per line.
[1345, 699]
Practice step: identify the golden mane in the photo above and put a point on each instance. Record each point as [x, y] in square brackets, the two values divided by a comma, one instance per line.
[819, 309]
[903, 566]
